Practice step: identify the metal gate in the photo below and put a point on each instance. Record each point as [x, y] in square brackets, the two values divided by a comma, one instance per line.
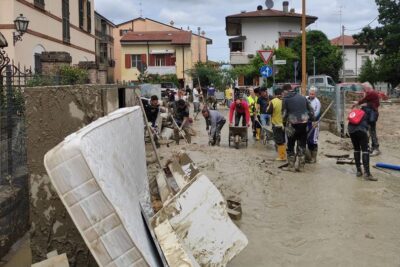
[12, 121]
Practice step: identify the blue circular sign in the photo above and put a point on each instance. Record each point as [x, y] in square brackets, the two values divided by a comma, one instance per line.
[266, 71]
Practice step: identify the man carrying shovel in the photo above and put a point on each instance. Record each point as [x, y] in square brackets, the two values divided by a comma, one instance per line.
[313, 127]
[181, 121]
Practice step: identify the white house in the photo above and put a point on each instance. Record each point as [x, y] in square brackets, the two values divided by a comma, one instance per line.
[355, 56]
[261, 28]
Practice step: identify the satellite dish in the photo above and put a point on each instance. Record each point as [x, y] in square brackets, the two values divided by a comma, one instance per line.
[269, 3]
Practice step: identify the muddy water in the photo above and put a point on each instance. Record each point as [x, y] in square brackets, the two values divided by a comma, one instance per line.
[323, 217]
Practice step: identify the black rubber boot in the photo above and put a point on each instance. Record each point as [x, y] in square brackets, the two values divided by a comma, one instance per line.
[367, 173]
[357, 159]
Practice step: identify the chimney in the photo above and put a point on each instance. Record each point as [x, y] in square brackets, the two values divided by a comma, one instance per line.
[259, 7]
[243, 11]
[285, 6]
[292, 10]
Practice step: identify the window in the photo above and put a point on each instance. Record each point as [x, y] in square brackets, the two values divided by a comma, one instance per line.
[236, 47]
[364, 60]
[103, 53]
[136, 61]
[85, 15]
[123, 32]
[331, 82]
[65, 21]
[160, 60]
[39, 4]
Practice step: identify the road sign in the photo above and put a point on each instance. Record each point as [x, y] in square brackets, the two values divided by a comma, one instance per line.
[265, 55]
[280, 62]
[266, 71]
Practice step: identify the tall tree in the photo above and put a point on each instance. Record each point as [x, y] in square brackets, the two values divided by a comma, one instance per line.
[328, 58]
[384, 40]
[370, 72]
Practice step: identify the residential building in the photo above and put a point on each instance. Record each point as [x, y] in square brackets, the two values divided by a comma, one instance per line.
[355, 56]
[254, 30]
[61, 25]
[104, 30]
[158, 48]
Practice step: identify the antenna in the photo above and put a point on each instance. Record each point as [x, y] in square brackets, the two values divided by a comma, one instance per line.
[269, 4]
[141, 11]
[340, 16]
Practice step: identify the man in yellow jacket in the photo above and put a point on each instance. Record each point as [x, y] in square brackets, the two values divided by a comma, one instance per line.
[275, 110]
[252, 102]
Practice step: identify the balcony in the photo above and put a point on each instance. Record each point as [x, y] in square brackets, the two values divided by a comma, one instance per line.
[241, 58]
[104, 38]
[161, 70]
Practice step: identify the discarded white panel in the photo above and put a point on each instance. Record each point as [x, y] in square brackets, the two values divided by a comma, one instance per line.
[198, 216]
[54, 261]
[100, 175]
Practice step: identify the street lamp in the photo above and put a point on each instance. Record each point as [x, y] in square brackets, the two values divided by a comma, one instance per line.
[3, 41]
[21, 25]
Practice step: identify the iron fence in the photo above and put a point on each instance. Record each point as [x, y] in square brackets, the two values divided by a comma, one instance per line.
[13, 80]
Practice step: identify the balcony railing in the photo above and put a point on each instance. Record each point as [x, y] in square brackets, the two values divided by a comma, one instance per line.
[105, 38]
[238, 58]
[161, 70]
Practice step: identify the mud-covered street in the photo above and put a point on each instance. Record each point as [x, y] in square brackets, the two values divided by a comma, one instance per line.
[322, 217]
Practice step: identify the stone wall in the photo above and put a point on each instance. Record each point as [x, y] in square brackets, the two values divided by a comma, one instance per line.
[52, 61]
[52, 113]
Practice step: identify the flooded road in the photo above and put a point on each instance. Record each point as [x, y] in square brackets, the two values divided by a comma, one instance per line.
[322, 217]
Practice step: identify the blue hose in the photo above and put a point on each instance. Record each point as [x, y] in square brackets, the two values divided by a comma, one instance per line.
[388, 166]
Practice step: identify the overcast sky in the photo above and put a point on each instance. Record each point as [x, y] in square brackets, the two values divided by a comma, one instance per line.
[210, 15]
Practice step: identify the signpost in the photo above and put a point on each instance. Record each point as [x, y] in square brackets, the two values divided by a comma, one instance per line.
[266, 71]
[265, 55]
[280, 62]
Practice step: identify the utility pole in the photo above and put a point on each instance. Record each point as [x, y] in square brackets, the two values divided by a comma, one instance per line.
[314, 70]
[198, 32]
[303, 50]
[343, 56]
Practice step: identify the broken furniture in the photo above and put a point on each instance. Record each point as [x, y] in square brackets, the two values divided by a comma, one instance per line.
[100, 175]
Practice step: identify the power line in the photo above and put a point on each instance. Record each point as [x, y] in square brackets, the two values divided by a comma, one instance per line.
[353, 30]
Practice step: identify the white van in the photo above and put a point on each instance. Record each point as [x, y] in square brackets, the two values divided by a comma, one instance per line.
[322, 82]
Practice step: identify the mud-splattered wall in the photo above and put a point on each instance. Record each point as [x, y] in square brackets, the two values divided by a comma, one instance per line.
[52, 113]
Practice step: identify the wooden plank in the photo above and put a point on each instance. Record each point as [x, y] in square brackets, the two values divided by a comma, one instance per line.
[163, 188]
[56, 261]
[177, 173]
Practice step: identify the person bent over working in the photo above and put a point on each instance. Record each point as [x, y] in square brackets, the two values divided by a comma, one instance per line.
[216, 121]
[241, 110]
[152, 109]
[181, 117]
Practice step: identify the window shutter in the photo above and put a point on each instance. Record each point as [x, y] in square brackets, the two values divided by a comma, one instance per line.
[152, 60]
[128, 63]
[89, 17]
[81, 13]
[143, 58]
[173, 60]
[168, 60]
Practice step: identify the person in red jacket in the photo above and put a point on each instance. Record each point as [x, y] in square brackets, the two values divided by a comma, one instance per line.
[371, 100]
[241, 110]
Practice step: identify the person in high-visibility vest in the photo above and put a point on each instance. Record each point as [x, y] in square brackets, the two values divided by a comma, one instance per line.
[252, 102]
[275, 110]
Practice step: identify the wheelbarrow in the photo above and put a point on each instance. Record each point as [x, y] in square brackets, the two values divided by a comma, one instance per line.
[237, 135]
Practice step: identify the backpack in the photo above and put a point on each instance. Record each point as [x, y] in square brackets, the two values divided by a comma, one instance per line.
[355, 116]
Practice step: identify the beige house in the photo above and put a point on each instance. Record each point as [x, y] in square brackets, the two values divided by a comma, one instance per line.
[61, 25]
[159, 48]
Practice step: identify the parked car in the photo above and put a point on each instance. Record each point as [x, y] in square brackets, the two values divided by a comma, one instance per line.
[168, 85]
[358, 89]
[322, 82]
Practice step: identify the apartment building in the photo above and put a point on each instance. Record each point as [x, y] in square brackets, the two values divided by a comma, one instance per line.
[145, 44]
[62, 25]
[104, 31]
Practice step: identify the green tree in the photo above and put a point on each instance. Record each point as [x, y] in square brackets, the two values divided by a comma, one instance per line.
[370, 72]
[328, 58]
[207, 74]
[384, 40]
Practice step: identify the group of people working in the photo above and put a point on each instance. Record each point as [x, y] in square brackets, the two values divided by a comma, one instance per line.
[294, 119]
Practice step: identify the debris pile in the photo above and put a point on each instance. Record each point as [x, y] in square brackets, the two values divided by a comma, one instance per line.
[100, 175]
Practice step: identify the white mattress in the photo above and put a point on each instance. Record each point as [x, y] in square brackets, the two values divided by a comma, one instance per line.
[100, 175]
